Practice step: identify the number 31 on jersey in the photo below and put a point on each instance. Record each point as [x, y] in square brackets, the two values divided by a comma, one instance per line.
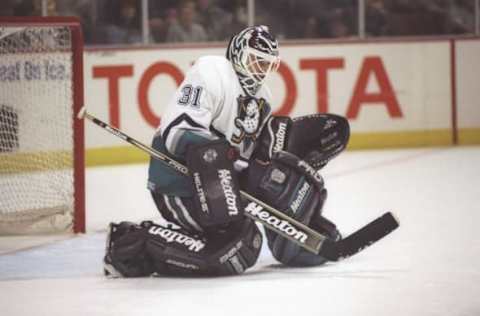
[190, 96]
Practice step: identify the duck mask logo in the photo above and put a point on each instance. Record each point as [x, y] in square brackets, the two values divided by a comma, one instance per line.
[252, 113]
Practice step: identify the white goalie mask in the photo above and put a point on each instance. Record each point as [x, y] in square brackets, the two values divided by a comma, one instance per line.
[254, 54]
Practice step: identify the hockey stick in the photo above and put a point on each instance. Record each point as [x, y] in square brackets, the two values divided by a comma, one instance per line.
[275, 220]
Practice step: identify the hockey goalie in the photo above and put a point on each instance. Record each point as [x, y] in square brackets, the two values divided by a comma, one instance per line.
[220, 124]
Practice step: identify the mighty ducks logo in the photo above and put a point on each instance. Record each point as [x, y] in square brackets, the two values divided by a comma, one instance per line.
[251, 114]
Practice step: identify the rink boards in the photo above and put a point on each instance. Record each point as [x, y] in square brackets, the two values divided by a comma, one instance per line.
[401, 93]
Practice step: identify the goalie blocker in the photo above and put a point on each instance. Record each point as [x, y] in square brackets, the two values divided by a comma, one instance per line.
[216, 201]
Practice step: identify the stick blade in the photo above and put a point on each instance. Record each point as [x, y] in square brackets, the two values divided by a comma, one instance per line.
[362, 238]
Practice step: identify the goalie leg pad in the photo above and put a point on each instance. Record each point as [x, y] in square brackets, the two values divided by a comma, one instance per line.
[217, 191]
[228, 252]
[287, 183]
[148, 248]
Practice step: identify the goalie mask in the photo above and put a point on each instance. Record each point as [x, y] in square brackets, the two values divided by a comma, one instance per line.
[254, 54]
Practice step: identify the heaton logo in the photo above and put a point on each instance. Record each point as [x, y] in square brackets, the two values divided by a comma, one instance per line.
[300, 197]
[230, 197]
[182, 264]
[169, 235]
[311, 171]
[281, 225]
[280, 137]
[201, 194]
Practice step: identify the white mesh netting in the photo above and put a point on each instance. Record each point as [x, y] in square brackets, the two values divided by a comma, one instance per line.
[36, 133]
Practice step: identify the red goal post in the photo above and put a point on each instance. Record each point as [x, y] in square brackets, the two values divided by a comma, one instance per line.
[42, 172]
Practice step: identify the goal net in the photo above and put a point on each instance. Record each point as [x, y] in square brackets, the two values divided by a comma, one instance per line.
[41, 142]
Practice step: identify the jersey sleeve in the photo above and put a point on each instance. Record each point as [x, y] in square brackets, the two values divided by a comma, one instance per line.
[192, 109]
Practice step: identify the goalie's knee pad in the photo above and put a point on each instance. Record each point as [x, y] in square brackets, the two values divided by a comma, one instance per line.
[140, 250]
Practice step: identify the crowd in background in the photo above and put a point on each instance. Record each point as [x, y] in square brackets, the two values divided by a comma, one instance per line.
[120, 21]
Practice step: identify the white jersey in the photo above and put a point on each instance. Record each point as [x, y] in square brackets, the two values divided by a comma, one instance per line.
[210, 102]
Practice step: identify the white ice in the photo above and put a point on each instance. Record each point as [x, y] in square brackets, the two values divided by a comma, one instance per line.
[429, 266]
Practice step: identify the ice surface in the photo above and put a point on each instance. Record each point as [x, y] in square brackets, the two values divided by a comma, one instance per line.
[429, 266]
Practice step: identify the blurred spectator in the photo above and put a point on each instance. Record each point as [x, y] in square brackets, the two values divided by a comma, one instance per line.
[161, 15]
[461, 16]
[375, 18]
[85, 10]
[118, 21]
[34, 8]
[337, 25]
[216, 21]
[238, 9]
[278, 15]
[337, 28]
[159, 25]
[6, 7]
[405, 17]
[158, 8]
[125, 26]
[185, 29]
[341, 19]
[312, 27]
[309, 18]
[430, 17]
